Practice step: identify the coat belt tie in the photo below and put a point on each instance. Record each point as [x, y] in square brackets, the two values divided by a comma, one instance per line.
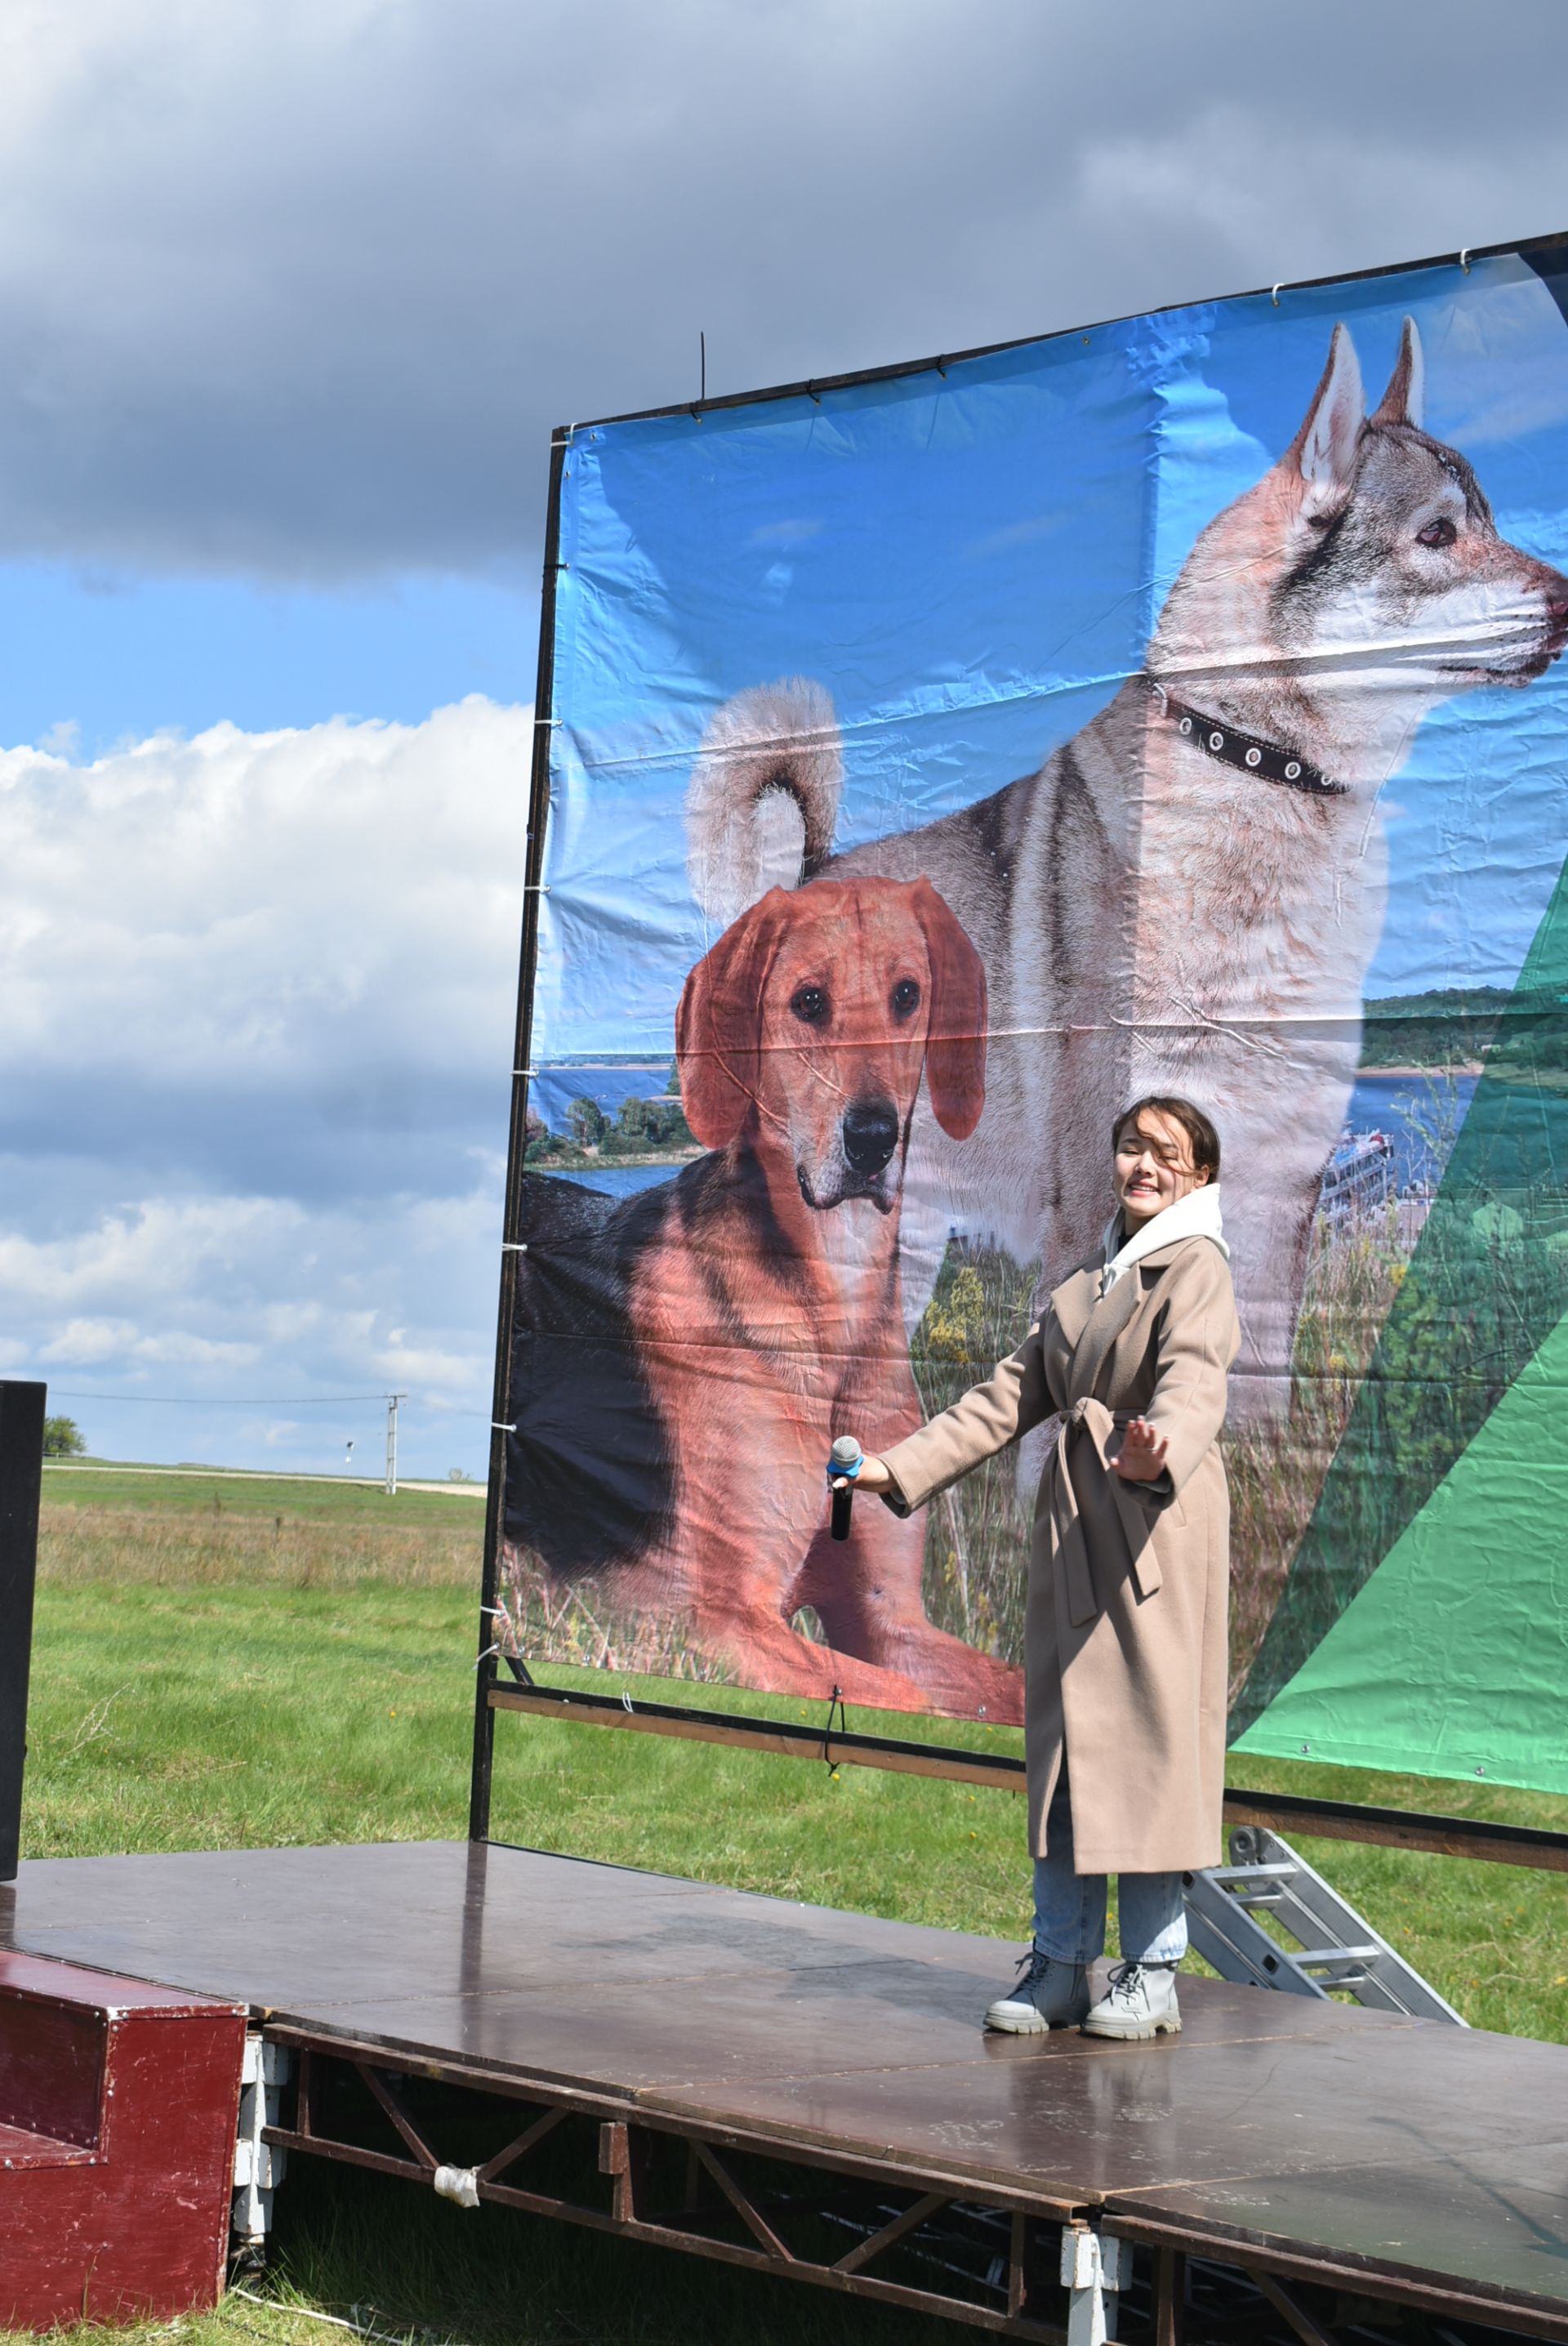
[1083, 1599]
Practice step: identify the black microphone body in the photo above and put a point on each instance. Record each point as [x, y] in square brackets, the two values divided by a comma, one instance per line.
[845, 1466]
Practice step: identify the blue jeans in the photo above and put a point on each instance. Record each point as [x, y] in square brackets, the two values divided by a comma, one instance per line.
[1070, 1908]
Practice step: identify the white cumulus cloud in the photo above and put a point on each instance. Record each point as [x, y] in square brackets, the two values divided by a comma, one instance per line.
[254, 1076]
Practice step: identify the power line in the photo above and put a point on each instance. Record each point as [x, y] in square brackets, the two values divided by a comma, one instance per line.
[224, 1401]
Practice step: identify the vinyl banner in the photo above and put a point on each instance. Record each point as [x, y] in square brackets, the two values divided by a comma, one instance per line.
[941, 759]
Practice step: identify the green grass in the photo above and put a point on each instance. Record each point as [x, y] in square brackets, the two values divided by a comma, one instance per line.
[212, 1682]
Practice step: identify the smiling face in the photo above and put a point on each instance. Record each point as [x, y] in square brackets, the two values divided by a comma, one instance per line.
[1153, 1166]
[804, 1033]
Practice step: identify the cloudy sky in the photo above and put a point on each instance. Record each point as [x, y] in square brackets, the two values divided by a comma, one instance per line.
[291, 293]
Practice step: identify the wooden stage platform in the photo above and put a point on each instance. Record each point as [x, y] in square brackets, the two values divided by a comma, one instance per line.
[809, 2092]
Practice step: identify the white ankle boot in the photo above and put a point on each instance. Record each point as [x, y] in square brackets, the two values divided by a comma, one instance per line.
[1141, 2002]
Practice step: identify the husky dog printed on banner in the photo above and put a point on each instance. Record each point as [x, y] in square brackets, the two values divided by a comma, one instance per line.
[832, 1016]
[1186, 896]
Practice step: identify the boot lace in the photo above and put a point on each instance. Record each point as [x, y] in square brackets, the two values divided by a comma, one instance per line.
[1032, 1965]
[1125, 1982]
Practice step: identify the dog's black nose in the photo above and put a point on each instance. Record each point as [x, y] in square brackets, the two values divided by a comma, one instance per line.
[871, 1134]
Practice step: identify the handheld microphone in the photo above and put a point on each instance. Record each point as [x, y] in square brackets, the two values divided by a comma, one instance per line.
[844, 1465]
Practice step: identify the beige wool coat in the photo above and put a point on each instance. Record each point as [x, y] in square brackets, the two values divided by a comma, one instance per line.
[1125, 1627]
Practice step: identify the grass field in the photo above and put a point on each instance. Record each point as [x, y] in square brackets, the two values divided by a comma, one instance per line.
[222, 1663]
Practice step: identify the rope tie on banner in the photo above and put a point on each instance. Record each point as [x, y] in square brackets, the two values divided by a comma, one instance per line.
[836, 1703]
[514, 1662]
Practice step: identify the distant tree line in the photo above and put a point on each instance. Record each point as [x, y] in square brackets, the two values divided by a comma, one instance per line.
[640, 1127]
[1451, 1027]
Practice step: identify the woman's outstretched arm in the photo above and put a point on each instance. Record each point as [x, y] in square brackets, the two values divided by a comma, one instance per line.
[984, 1422]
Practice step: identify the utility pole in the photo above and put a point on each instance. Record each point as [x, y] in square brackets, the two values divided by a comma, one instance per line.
[393, 1401]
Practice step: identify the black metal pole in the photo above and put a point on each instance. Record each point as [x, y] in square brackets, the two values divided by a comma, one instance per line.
[533, 875]
[21, 1473]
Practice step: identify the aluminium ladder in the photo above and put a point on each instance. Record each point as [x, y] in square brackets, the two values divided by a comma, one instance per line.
[1336, 1949]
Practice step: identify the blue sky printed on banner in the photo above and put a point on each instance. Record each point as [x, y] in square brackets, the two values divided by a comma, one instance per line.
[973, 562]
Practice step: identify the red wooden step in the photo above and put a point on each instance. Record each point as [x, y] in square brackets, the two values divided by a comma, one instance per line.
[21, 2148]
[118, 2108]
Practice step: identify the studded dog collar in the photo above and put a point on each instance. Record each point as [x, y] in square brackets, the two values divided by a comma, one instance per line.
[1244, 750]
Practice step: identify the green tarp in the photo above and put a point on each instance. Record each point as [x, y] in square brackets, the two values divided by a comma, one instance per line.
[1449, 1660]
[1424, 1622]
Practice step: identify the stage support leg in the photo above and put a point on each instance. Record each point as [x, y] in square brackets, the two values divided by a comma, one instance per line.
[1094, 2267]
[1170, 2297]
[21, 1475]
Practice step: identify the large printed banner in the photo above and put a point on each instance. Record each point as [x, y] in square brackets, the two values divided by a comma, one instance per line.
[940, 760]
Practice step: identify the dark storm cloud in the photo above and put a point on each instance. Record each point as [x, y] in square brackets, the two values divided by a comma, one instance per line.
[371, 1133]
[297, 291]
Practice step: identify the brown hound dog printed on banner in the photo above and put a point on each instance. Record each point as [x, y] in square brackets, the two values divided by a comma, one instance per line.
[748, 1309]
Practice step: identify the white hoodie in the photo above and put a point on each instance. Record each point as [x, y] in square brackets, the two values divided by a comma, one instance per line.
[1196, 1215]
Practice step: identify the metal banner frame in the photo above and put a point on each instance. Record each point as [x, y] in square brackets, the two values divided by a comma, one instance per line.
[1503, 1844]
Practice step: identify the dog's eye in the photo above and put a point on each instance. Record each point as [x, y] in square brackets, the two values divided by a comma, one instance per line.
[810, 1004]
[906, 998]
[1436, 533]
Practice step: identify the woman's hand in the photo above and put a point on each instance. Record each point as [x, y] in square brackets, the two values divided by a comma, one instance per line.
[873, 1475]
[1142, 1457]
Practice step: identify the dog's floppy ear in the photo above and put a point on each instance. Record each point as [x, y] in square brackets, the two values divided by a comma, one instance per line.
[1324, 451]
[955, 1033]
[1401, 402]
[717, 1027]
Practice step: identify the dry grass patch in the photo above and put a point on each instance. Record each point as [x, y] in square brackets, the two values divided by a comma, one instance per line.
[170, 1547]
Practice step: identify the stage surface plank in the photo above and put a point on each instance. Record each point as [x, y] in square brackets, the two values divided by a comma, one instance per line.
[1374, 2142]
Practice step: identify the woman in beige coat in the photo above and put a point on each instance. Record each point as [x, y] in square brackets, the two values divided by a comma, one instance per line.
[1125, 1623]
